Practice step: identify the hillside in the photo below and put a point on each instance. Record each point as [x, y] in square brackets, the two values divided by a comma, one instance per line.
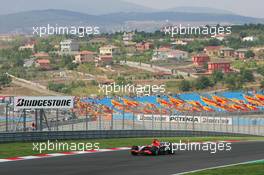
[24, 21]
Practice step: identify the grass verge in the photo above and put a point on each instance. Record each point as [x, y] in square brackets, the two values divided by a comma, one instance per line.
[246, 169]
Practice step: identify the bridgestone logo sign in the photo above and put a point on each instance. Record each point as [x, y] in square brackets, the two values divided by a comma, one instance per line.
[45, 102]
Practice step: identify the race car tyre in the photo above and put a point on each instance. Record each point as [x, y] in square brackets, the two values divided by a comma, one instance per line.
[154, 150]
[134, 148]
[134, 154]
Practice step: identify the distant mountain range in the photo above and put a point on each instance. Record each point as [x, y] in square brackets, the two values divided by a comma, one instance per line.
[93, 7]
[199, 10]
[24, 21]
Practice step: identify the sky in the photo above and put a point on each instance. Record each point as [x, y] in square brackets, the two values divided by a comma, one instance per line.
[254, 8]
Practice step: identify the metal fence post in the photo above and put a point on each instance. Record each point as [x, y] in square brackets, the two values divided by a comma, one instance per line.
[112, 121]
[249, 125]
[100, 122]
[36, 120]
[244, 125]
[13, 121]
[133, 125]
[208, 125]
[232, 127]
[214, 129]
[178, 122]
[152, 122]
[86, 119]
[238, 124]
[170, 121]
[161, 118]
[143, 123]
[259, 124]
[41, 119]
[227, 126]
[57, 119]
[220, 122]
[6, 117]
[24, 120]
[123, 119]
[193, 124]
[185, 122]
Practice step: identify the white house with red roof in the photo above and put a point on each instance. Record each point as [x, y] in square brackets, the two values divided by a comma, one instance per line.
[104, 60]
[85, 56]
[212, 51]
[164, 53]
[43, 64]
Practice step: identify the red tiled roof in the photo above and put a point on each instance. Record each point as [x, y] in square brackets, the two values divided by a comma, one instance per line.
[177, 51]
[43, 61]
[201, 55]
[164, 49]
[86, 52]
[143, 43]
[212, 47]
[2, 97]
[219, 62]
[106, 56]
[41, 54]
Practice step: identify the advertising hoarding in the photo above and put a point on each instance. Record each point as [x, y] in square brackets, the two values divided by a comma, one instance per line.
[43, 102]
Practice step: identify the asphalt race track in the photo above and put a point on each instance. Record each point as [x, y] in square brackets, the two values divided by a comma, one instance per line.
[121, 162]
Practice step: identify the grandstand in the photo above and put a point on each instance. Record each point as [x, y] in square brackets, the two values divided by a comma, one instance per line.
[191, 103]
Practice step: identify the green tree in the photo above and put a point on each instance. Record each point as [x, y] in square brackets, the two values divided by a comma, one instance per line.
[71, 66]
[233, 82]
[214, 42]
[94, 83]
[202, 83]
[66, 61]
[247, 75]
[185, 85]
[18, 62]
[260, 70]
[262, 84]
[4, 80]
[138, 38]
[260, 54]
[249, 54]
[59, 87]
[217, 76]
[122, 81]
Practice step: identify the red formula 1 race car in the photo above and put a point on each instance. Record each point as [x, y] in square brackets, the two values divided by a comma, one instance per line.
[156, 148]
